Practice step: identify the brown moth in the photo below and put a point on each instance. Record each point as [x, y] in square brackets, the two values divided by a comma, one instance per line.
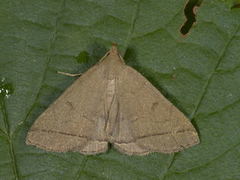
[112, 103]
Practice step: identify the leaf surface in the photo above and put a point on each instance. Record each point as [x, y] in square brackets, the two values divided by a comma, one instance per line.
[199, 73]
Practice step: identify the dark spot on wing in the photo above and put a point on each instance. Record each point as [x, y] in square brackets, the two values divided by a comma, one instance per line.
[70, 104]
[154, 106]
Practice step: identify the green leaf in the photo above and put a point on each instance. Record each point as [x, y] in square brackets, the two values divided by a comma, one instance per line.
[199, 73]
[232, 3]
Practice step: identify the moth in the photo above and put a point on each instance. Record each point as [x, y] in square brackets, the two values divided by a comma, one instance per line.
[112, 103]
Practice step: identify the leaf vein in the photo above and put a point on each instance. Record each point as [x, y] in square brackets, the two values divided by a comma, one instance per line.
[82, 167]
[204, 92]
[10, 145]
[132, 26]
[213, 73]
[49, 58]
[209, 162]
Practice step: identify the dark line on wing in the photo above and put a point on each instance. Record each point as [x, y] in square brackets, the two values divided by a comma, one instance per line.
[164, 133]
[151, 135]
[104, 140]
[58, 132]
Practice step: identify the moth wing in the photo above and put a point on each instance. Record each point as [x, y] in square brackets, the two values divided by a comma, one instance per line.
[148, 121]
[74, 122]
